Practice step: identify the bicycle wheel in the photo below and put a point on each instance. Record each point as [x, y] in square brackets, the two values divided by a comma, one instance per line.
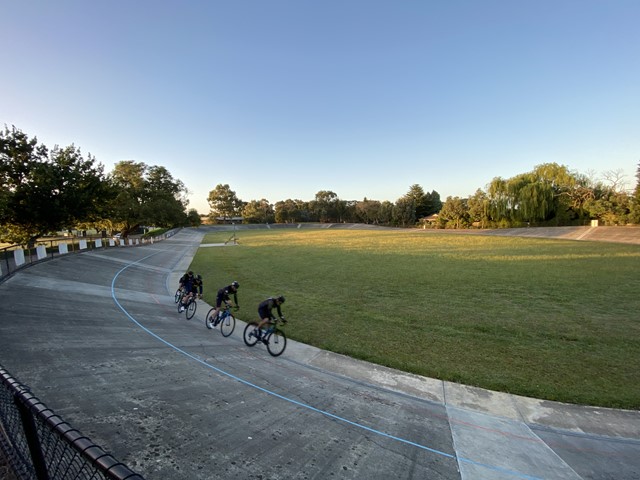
[276, 342]
[178, 295]
[191, 309]
[249, 339]
[228, 325]
[207, 320]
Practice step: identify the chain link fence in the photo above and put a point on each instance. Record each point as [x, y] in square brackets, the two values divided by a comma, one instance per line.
[37, 444]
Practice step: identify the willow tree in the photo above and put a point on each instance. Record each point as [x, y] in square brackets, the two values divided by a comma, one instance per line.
[549, 191]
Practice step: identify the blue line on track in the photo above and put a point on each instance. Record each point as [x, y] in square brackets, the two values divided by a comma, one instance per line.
[300, 404]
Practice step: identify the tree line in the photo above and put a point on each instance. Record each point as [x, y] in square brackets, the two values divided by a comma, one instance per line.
[326, 207]
[550, 195]
[46, 190]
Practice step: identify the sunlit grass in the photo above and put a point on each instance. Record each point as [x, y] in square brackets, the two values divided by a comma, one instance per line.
[552, 319]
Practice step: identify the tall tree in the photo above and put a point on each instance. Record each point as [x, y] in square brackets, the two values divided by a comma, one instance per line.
[165, 201]
[45, 191]
[416, 193]
[432, 203]
[127, 178]
[224, 203]
[146, 195]
[324, 207]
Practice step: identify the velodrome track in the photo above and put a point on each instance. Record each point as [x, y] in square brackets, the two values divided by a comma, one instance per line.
[96, 336]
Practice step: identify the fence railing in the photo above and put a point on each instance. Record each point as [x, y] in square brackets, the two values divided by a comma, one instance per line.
[38, 444]
[16, 257]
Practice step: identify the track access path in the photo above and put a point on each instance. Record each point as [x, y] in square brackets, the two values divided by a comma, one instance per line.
[98, 339]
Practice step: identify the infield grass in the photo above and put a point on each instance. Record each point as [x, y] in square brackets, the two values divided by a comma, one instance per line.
[550, 319]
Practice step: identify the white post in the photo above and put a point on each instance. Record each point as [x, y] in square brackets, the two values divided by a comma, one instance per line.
[63, 248]
[41, 250]
[18, 256]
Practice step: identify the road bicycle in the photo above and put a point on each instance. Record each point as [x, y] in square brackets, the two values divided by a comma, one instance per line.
[225, 319]
[179, 294]
[190, 307]
[273, 337]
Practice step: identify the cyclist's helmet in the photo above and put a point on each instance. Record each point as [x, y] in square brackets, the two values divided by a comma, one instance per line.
[199, 277]
[280, 298]
[235, 284]
[190, 273]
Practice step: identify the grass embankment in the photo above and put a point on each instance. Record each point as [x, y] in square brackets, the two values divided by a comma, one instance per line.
[550, 319]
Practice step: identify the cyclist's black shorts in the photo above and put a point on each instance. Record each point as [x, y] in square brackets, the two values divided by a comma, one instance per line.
[264, 312]
[219, 299]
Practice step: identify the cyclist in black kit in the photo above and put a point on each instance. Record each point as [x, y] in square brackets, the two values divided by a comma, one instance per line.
[265, 311]
[192, 286]
[223, 296]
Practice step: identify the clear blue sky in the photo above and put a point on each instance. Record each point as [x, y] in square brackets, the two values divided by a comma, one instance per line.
[284, 98]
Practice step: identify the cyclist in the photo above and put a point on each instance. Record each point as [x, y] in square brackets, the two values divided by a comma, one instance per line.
[223, 296]
[197, 286]
[186, 278]
[191, 285]
[265, 311]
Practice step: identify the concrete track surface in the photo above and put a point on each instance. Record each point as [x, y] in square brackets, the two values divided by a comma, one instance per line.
[98, 339]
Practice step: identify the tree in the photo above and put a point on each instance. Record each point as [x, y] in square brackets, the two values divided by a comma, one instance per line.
[478, 206]
[404, 212]
[634, 214]
[258, 211]
[615, 179]
[454, 213]
[416, 193]
[127, 179]
[291, 211]
[193, 218]
[368, 211]
[324, 207]
[432, 203]
[426, 203]
[146, 195]
[45, 191]
[164, 199]
[224, 203]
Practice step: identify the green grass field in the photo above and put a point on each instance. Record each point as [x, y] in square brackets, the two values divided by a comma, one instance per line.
[551, 319]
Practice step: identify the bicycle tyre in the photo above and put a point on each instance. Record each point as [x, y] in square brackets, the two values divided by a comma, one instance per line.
[206, 319]
[178, 296]
[191, 309]
[276, 342]
[228, 325]
[250, 340]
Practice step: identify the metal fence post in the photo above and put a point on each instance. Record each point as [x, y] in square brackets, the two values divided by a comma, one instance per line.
[31, 434]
